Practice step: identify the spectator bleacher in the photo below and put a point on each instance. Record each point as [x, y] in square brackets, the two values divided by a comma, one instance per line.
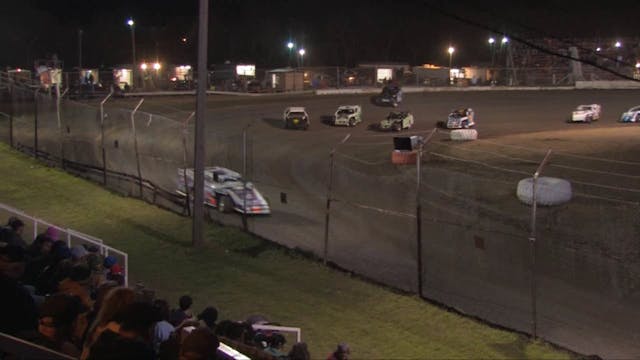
[69, 300]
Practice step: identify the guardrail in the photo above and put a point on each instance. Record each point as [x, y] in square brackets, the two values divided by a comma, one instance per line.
[16, 348]
[294, 330]
[72, 237]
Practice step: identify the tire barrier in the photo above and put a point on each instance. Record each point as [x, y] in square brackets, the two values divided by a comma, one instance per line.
[549, 191]
[403, 157]
[464, 134]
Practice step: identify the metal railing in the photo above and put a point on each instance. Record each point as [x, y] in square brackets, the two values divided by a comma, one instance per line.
[72, 237]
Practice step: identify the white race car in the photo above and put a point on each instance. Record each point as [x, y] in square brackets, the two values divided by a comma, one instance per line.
[461, 119]
[296, 118]
[631, 115]
[348, 115]
[226, 190]
[586, 113]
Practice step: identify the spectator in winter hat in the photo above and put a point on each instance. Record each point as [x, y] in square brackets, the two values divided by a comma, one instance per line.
[78, 252]
[52, 233]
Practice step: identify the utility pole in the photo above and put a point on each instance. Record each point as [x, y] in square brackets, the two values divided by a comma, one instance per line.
[329, 195]
[199, 139]
[79, 50]
[532, 242]
[423, 142]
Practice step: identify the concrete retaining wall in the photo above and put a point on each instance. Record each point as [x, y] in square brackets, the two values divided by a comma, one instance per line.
[617, 84]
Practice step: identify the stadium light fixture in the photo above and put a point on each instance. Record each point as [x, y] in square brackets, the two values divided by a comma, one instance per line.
[638, 65]
[290, 45]
[598, 49]
[302, 51]
[618, 44]
[144, 66]
[156, 66]
[505, 40]
[492, 40]
[130, 22]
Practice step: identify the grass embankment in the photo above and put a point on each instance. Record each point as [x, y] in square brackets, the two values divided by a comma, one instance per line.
[242, 276]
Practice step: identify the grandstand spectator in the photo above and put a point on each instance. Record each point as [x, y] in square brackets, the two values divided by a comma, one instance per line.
[95, 263]
[78, 253]
[183, 313]
[41, 245]
[78, 284]
[57, 267]
[275, 343]
[11, 234]
[116, 300]
[200, 344]
[162, 329]
[299, 351]
[113, 270]
[18, 312]
[341, 353]
[130, 339]
[208, 317]
[56, 323]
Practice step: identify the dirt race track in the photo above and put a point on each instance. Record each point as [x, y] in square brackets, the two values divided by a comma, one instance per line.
[475, 248]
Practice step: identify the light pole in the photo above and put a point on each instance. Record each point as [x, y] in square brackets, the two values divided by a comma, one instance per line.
[450, 50]
[301, 52]
[492, 42]
[131, 24]
[290, 46]
[618, 45]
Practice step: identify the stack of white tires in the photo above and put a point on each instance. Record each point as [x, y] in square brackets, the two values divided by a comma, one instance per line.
[549, 191]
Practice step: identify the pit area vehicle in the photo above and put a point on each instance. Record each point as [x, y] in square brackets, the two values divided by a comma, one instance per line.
[348, 115]
[586, 113]
[397, 121]
[296, 118]
[225, 190]
[461, 119]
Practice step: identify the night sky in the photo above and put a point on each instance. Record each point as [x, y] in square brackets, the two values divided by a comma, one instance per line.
[332, 32]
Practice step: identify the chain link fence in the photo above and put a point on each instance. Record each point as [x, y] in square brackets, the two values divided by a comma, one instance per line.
[459, 236]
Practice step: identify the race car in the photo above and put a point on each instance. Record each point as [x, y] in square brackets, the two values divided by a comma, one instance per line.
[225, 190]
[396, 121]
[461, 119]
[390, 95]
[296, 118]
[631, 115]
[348, 115]
[586, 113]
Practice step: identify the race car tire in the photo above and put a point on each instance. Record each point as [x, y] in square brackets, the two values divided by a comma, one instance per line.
[549, 191]
[225, 204]
[463, 134]
[352, 122]
[396, 127]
